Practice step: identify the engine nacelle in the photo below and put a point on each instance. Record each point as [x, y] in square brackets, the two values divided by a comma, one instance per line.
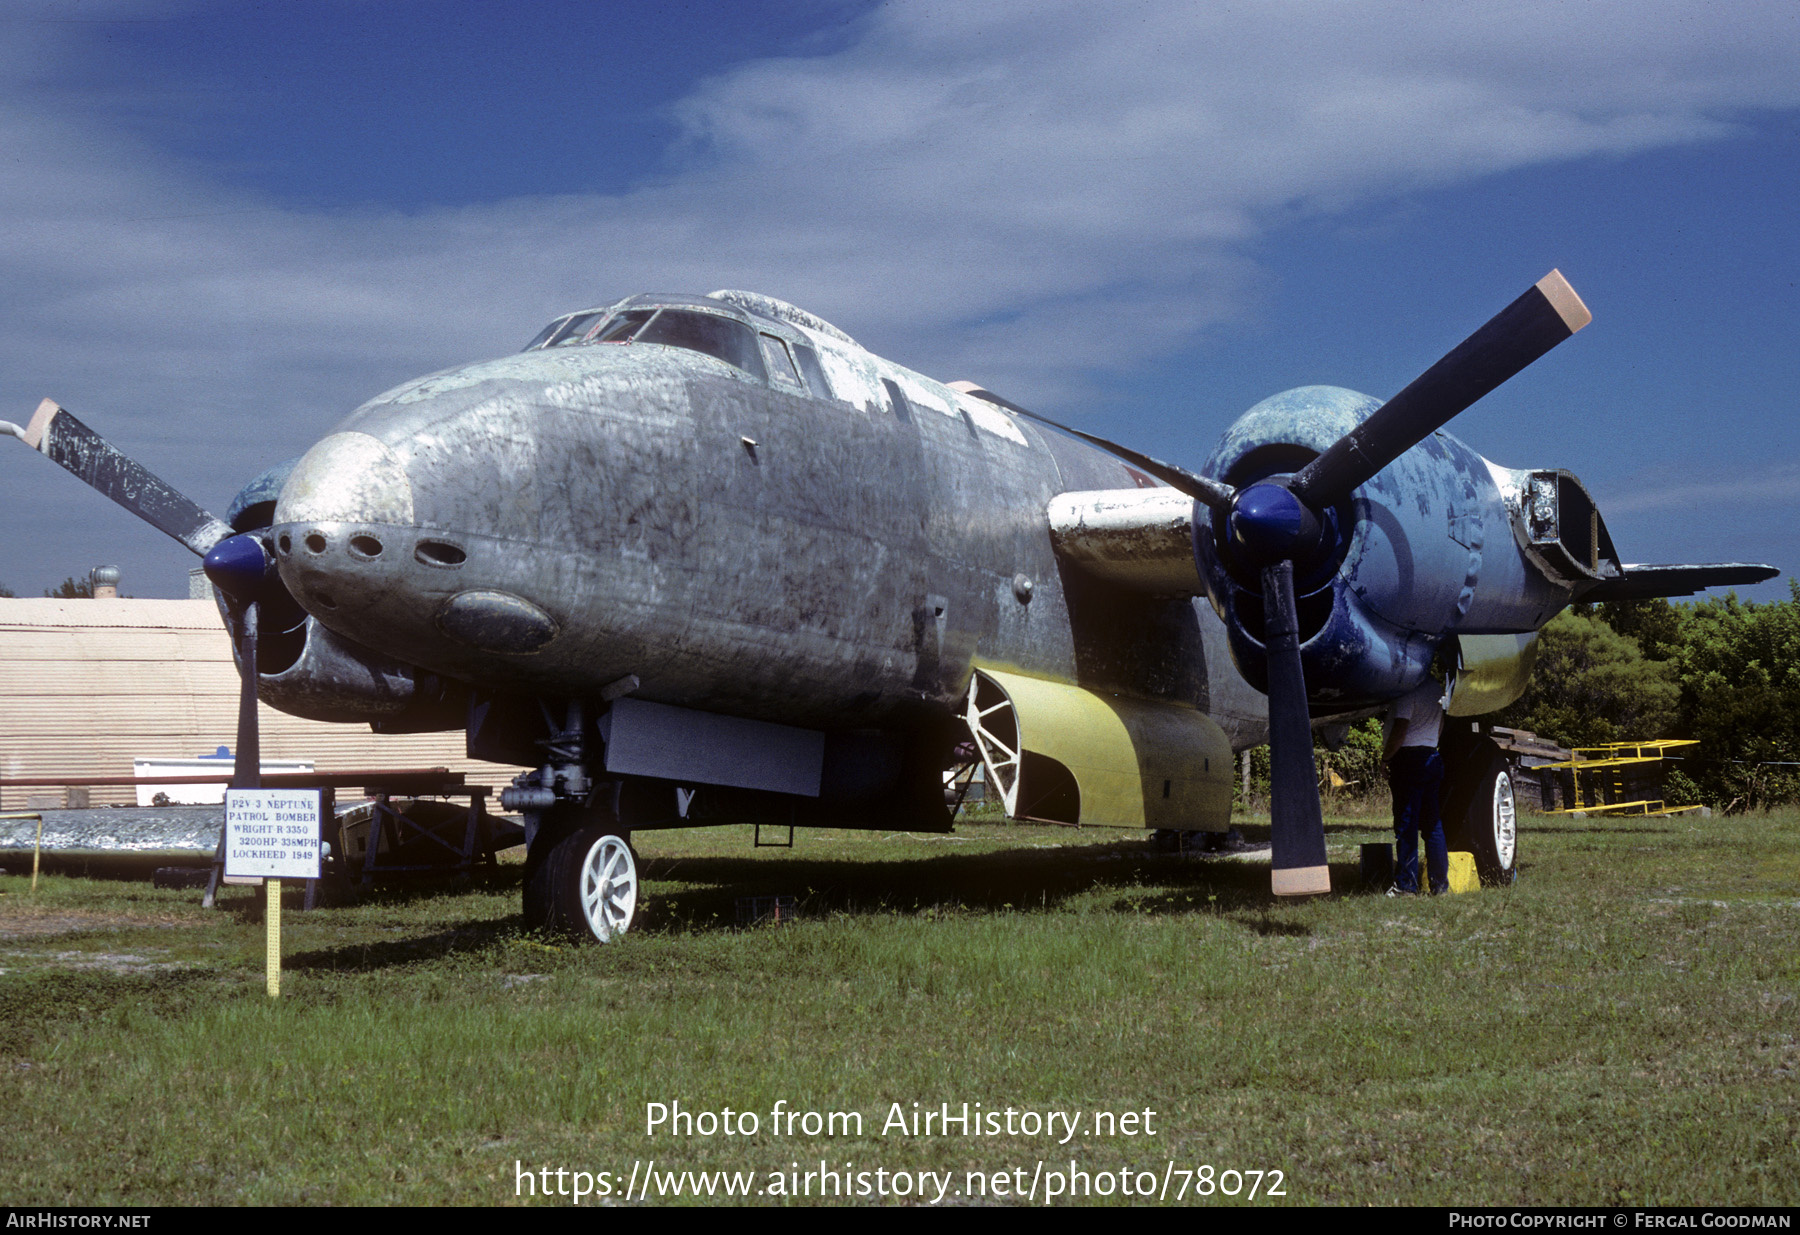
[333, 679]
[1491, 671]
[1439, 543]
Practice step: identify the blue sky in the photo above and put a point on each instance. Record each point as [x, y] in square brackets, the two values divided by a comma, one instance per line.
[228, 224]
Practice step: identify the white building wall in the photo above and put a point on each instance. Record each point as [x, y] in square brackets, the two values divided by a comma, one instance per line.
[86, 686]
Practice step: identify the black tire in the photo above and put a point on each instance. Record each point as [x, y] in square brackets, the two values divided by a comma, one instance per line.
[1483, 818]
[538, 900]
[592, 878]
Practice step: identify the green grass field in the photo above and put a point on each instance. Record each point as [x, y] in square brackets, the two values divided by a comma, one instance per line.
[1620, 1027]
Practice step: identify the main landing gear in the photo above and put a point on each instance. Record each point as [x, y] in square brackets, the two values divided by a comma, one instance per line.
[1481, 814]
[581, 876]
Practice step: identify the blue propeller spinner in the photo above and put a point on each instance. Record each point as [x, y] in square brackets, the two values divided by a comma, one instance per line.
[240, 567]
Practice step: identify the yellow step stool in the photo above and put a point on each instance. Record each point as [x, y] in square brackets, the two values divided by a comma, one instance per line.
[1463, 876]
[1378, 869]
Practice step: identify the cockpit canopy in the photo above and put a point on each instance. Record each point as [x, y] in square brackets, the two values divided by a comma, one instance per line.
[773, 354]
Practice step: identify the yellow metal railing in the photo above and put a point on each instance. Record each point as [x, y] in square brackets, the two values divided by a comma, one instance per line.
[1601, 772]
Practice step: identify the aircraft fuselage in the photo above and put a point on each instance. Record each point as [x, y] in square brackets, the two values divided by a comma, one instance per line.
[553, 522]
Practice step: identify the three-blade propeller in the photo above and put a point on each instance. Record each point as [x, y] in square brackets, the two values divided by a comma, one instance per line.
[239, 564]
[1278, 521]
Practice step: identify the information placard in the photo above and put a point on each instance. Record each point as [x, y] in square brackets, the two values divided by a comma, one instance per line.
[272, 833]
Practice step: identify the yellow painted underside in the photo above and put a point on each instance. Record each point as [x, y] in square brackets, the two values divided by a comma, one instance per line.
[1137, 764]
[1492, 671]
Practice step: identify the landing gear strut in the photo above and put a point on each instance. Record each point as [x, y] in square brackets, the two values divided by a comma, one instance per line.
[581, 876]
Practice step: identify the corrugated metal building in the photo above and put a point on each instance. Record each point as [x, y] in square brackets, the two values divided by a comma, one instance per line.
[86, 686]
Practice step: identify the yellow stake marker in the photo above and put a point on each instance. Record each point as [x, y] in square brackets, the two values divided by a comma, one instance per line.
[273, 917]
[37, 843]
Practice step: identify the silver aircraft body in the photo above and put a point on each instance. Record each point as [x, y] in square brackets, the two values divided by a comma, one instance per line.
[693, 559]
[804, 534]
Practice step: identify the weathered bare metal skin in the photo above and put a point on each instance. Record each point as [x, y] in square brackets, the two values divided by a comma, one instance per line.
[737, 548]
[346, 474]
[1137, 538]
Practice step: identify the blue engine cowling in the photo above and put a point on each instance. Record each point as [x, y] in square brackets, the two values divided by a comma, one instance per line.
[1431, 547]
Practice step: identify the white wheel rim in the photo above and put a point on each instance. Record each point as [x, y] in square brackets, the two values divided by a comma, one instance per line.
[1000, 758]
[608, 887]
[1506, 821]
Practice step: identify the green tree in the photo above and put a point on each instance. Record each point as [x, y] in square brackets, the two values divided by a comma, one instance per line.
[1592, 685]
[5, 591]
[1357, 762]
[71, 588]
[1739, 665]
[1658, 626]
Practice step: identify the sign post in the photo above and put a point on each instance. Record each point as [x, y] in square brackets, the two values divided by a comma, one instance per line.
[271, 835]
[272, 938]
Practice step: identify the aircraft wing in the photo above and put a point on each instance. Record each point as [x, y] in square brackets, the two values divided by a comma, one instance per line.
[1644, 582]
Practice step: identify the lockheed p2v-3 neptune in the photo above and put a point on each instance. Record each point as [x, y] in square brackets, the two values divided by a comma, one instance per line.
[700, 559]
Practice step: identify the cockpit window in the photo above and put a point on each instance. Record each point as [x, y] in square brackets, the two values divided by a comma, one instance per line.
[544, 335]
[621, 328]
[815, 375]
[721, 337]
[781, 366]
[897, 398]
[574, 329]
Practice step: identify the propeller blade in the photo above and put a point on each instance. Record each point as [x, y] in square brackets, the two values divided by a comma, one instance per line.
[246, 768]
[1296, 825]
[1544, 316]
[246, 771]
[241, 568]
[1200, 488]
[66, 441]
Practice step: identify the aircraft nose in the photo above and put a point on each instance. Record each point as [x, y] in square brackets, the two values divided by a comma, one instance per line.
[334, 520]
[347, 478]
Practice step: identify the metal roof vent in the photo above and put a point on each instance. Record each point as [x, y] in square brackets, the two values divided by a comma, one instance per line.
[105, 580]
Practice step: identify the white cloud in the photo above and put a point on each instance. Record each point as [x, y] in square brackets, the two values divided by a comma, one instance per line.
[1661, 490]
[1010, 191]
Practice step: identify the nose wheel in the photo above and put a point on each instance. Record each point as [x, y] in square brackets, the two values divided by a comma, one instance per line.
[585, 884]
[602, 885]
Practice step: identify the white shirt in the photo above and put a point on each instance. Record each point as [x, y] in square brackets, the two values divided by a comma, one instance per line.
[1423, 712]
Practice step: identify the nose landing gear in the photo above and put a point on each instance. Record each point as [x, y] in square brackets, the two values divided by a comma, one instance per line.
[581, 876]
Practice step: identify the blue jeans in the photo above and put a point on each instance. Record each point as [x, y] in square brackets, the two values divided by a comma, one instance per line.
[1416, 776]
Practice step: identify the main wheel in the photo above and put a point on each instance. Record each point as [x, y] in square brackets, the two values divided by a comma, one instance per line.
[539, 897]
[593, 880]
[1485, 819]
